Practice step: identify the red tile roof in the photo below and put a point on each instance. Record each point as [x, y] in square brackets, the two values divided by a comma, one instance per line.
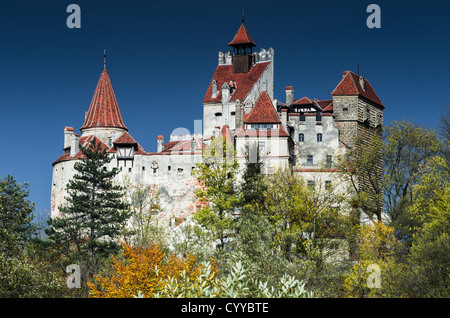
[84, 142]
[126, 138]
[104, 109]
[263, 111]
[182, 146]
[244, 81]
[349, 86]
[303, 101]
[242, 38]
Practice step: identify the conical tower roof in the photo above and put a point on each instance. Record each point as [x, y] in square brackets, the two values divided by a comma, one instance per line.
[242, 38]
[104, 109]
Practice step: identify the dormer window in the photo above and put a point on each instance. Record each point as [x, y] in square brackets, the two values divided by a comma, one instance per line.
[125, 153]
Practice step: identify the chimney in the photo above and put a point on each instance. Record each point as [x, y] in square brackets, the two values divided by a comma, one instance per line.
[225, 100]
[68, 131]
[193, 144]
[74, 144]
[239, 115]
[160, 145]
[289, 95]
[214, 89]
[284, 118]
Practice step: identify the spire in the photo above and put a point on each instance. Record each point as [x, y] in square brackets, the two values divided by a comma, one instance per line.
[242, 39]
[104, 59]
[104, 109]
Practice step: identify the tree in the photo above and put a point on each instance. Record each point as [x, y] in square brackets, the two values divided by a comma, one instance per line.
[143, 270]
[407, 149]
[373, 272]
[430, 252]
[253, 184]
[217, 175]
[361, 168]
[95, 214]
[16, 215]
[144, 204]
[22, 272]
[286, 207]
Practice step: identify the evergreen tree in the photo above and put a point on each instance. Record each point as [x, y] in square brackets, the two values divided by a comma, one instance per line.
[16, 215]
[95, 214]
[253, 184]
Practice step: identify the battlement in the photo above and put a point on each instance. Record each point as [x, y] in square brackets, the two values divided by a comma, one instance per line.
[262, 56]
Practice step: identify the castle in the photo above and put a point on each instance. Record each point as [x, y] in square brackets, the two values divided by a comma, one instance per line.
[303, 134]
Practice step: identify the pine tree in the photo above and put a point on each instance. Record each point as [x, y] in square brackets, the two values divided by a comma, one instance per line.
[16, 215]
[95, 214]
[253, 185]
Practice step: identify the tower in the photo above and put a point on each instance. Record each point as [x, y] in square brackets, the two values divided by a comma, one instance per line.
[239, 78]
[242, 44]
[359, 118]
[103, 119]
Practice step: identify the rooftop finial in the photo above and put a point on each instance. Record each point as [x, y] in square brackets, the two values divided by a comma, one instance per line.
[104, 58]
[243, 15]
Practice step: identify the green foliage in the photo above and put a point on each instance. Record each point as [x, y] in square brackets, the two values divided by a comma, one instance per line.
[217, 175]
[95, 215]
[16, 215]
[24, 277]
[237, 284]
[407, 150]
[144, 205]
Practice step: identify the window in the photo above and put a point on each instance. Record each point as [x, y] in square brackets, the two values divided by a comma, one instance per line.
[309, 160]
[327, 185]
[169, 168]
[129, 169]
[218, 114]
[143, 168]
[263, 126]
[233, 113]
[301, 137]
[110, 141]
[329, 161]
[302, 117]
[318, 116]
[261, 147]
[319, 137]
[180, 170]
[311, 185]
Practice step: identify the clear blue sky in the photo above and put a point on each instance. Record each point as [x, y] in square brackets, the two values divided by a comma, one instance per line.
[161, 56]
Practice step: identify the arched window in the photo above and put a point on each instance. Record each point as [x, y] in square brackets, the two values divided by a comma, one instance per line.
[301, 137]
[319, 137]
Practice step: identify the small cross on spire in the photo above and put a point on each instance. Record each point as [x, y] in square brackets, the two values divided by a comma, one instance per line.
[243, 15]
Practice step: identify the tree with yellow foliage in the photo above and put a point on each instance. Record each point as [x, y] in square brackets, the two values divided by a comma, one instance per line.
[144, 271]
